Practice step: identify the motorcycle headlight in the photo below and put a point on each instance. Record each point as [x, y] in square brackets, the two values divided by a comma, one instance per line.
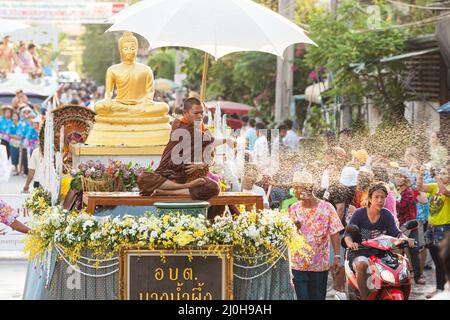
[386, 275]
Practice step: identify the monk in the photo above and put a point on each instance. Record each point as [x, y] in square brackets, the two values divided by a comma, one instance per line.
[188, 176]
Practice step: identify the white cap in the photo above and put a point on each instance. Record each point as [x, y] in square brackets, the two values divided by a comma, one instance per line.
[348, 177]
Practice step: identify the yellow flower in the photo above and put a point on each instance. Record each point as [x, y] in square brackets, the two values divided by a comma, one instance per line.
[199, 233]
[65, 186]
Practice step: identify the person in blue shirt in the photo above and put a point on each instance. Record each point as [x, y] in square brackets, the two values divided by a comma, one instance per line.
[5, 122]
[23, 133]
[250, 135]
[33, 135]
[14, 132]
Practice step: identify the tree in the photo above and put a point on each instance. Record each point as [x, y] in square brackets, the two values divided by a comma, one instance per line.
[344, 40]
[163, 63]
[101, 51]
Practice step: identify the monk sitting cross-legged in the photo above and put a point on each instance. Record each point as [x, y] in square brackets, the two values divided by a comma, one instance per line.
[185, 161]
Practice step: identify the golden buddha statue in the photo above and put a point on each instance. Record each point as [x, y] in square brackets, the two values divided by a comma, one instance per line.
[132, 118]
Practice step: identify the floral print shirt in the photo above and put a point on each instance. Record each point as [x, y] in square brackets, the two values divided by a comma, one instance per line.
[316, 226]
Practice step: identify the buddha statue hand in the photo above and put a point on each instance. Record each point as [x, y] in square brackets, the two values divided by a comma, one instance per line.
[104, 107]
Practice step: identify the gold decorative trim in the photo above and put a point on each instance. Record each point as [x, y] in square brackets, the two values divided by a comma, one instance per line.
[84, 150]
[227, 273]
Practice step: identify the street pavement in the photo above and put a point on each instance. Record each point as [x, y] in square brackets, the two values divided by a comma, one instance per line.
[13, 186]
[13, 272]
[12, 278]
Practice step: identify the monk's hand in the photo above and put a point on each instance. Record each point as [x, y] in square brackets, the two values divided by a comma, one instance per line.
[192, 167]
[232, 143]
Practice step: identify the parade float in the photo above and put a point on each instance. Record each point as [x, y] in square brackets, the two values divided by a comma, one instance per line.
[107, 241]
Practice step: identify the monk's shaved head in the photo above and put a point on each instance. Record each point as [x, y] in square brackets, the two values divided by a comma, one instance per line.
[190, 102]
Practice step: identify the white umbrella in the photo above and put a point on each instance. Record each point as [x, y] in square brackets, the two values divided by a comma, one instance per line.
[7, 26]
[217, 27]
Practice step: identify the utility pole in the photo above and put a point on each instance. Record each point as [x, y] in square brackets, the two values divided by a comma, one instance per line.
[178, 61]
[285, 75]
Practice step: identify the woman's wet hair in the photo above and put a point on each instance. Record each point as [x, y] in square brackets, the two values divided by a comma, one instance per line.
[376, 187]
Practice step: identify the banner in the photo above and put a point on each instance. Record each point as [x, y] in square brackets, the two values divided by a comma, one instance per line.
[11, 240]
[75, 11]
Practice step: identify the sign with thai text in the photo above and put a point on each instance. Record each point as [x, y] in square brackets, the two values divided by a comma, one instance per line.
[75, 11]
[176, 275]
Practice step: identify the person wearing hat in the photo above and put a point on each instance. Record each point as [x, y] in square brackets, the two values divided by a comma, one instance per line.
[5, 122]
[319, 224]
[360, 158]
[19, 99]
[406, 211]
[14, 134]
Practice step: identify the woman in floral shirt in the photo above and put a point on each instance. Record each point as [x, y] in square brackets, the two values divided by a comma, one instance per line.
[8, 216]
[318, 222]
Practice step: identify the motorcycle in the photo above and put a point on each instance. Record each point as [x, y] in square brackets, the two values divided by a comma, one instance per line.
[390, 277]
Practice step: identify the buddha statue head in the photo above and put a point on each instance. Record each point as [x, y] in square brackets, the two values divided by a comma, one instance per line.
[128, 47]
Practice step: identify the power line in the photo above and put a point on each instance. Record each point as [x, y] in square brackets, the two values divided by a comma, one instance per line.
[419, 7]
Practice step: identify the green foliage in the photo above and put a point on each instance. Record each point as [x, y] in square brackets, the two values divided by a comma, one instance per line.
[100, 51]
[344, 40]
[242, 77]
[163, 64]
[317, 124]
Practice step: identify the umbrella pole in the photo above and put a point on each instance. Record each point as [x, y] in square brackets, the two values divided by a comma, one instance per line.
[205, 72]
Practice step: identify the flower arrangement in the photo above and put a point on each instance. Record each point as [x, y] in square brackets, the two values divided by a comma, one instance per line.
[116, 176]
[267, 230]
[39, 201]
[76, 231]
[7, 213]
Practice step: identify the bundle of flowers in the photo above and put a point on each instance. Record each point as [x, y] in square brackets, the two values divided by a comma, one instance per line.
[116, 176]
[39, 201]
[269, 231]
[7, 213]
[78, 231]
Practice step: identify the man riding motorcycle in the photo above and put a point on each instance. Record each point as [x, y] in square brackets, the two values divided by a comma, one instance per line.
[372, 221]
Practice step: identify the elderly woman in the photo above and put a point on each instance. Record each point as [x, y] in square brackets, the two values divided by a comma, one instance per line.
[319, 223]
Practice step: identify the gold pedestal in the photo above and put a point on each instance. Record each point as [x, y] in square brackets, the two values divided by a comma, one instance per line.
[140, 155]
[134, 135]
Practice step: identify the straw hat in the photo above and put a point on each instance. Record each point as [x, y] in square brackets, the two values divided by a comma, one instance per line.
[303, 178]
[394, 165]
[361, 155]
[7, 107]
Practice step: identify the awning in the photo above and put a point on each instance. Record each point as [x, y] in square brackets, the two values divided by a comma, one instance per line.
[359, 66]
[444, 108]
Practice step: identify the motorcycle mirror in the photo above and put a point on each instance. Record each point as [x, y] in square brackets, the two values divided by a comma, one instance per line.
[352, 229]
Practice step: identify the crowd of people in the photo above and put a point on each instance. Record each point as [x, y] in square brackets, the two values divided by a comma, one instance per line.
[19, 130]
[324, 184]
[85, 93]
[334, 186]
[19, 57]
